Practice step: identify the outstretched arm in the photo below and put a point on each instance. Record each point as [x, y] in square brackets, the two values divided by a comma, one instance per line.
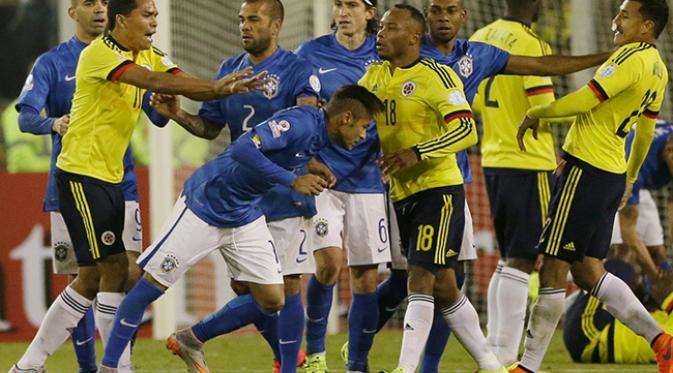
[552, 64]
[169, 107]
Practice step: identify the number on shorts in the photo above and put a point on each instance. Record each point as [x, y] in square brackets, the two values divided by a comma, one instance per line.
[383, 231]
[301, 245]
[425, 233]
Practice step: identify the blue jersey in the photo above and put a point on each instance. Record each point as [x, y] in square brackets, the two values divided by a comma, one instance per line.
[356, 170]
[290, 78]
[473, 62]
[226, 192]
[50, 86]
[654, 173]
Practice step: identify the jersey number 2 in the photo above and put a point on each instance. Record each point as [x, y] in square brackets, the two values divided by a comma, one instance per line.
[648, 99]
[489, 102]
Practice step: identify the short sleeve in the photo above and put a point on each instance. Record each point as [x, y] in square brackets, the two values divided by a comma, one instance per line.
[447, 97]
[277, 132]
[161, 62]
[615, 76]
[306, 82]
[538, 85]
[496, 58]
[98, 61]
[36, 88]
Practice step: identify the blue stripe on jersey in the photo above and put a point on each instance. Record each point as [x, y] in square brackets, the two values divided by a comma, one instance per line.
[226, 194]
[290, 78]
[473, 62]
[51, 85]
[654, 174]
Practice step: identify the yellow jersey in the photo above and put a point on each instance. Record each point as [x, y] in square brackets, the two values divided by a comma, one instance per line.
[630, 84]
[104, 110]
[425, 109]
[507, 98]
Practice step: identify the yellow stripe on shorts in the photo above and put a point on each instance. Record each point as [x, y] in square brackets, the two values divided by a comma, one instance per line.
[544, 193]
[563, 210]
[444, 226]
[83, 207]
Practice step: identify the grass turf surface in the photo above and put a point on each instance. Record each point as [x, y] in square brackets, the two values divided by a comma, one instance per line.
[249, 353]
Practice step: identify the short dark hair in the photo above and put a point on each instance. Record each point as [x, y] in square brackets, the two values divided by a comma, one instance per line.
[372, 24]
[416, 16]
[276, 7]
[115, 7]
[655, 11]
[348, 96]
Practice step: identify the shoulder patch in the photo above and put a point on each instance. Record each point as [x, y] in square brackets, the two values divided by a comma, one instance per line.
[277, 128]
[315, 83]
[608, 71]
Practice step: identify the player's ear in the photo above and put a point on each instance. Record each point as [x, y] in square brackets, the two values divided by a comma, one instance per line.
[371, 13]
[72, 13]
[347, 118]
[648, 26]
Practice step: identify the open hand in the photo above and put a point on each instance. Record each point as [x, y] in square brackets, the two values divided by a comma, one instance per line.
[528, 123]
[398, 161]
[239, 82]
[310, 185]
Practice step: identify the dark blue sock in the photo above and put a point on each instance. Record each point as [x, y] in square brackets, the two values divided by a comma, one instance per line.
[319, 299]
[290, 332]
[128, 318]
[362, 323]
[238, 313]
[438, 338]
[391, 293]
[84, 341]
[268, 328]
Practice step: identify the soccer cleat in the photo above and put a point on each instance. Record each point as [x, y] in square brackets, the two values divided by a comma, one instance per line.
[662, 347]
[301, 359]
[188, 348]
[16, 369]
[104, 369]
[344, 352]
[515, 368]
[316, 363]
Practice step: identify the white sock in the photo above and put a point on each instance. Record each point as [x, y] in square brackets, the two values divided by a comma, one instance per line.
[62, 317]
[464, 321]
[542, 325]
[512, 299]
[620, 301]
[492, 306]
[417, 324]
[106, 308]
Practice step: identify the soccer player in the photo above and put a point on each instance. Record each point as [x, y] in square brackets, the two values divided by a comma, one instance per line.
[288, 213]
[628, 89]
[219, 209]
[637, 225]
[50, 86]
[112, 75]
[473, 62]
[592, 335]
[341, 222]
[425, 122]
[518, 184]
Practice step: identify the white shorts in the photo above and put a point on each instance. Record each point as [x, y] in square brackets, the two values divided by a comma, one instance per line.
[185, 239]
[63, 254]
[468, 249]
[293, 242]
[354, 221]
[648, 225]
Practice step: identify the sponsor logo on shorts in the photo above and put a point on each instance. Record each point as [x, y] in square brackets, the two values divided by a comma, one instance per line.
[321, 228]
[169, 263]
[382, 249]
[61, 251]
[108, 238]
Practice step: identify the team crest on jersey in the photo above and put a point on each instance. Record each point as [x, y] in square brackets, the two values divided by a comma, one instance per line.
[108, 238]
[608, 71]
[270, 89]
[408, 88]
[169, 263]
[315, 83]
[465, 66]
[321, 228]
[277, 128]
[61, 251]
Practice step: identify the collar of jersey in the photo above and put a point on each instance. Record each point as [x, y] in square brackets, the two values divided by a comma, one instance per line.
[366, 47]
[511, 19]
[267, 61]
[115, 42]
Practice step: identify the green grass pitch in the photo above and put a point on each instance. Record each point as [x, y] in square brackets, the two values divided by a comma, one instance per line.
[249, 353]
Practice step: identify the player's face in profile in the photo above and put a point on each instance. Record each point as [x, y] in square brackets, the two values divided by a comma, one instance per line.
[394, 34]
[445, 18]
[628, 24]
[352, 130]
[91, 15]
[255, 26]
[141, 25]
[351, 16]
